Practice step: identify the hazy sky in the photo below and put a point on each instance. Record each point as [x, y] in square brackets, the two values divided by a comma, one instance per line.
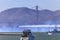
[43, 4]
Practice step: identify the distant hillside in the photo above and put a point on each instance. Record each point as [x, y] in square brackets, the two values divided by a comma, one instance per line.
[26, 16]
